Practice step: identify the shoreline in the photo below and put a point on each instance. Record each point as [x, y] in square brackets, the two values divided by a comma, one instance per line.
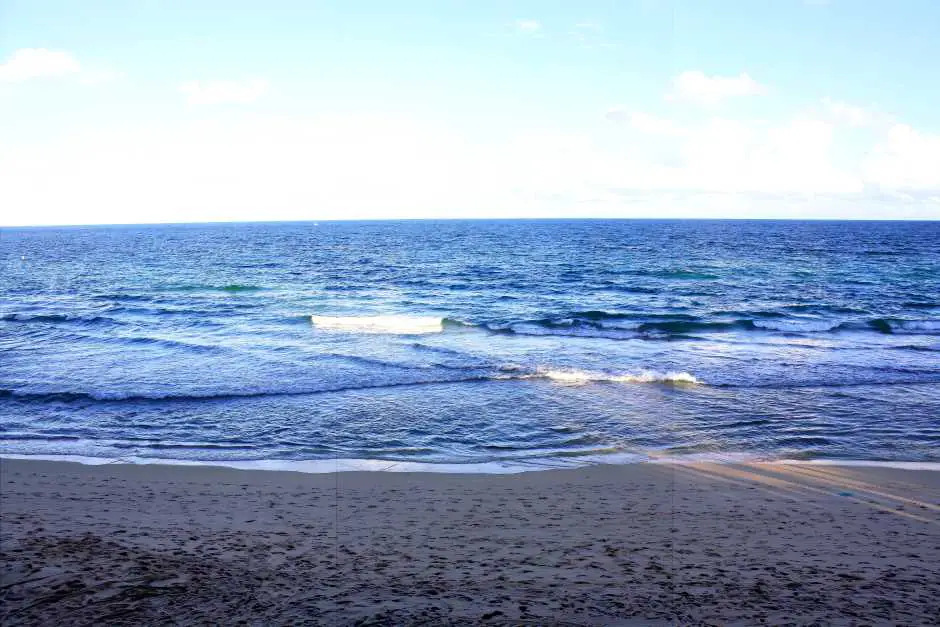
[628, 544]
[327, 466]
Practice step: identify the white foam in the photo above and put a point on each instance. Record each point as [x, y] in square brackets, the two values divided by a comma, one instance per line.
[934, 466]
[402, 325]
[741, 457]
[321, 466]
[915, 326]
[582, 377]
[313, 466]
[728, 457]
[796, 326]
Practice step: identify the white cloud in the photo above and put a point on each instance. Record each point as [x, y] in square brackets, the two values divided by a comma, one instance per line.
[785, 160]
[643, 122]
[528, 27]
[848, 114]
[339, 166]
[728, 156]
[618, 114]
[694, 86]
[375, 166]
[652, 124]
[34, 63]
[29, 63]
[222, 91]
[905, 159]
[386, 166]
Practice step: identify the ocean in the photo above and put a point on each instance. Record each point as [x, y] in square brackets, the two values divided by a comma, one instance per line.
[471, 345]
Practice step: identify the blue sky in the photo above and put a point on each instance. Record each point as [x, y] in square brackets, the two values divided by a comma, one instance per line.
[164, 111]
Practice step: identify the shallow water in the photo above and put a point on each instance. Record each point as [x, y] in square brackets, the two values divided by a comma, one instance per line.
[472, 342]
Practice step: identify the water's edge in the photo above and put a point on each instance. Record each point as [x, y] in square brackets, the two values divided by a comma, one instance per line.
[323, 466]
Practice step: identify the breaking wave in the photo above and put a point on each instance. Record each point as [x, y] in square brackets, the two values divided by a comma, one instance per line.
[581, 377]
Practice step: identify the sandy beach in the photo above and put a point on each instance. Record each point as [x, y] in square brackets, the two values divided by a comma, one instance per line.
[639, 544]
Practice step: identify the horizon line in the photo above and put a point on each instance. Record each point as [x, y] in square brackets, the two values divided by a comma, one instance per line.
[532, 219]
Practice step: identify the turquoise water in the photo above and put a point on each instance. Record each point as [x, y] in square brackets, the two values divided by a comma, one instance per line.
[526, 342]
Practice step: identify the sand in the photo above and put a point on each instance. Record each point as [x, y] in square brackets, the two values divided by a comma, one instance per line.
[640, 544]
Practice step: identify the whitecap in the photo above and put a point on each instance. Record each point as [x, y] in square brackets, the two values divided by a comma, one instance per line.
[582, 377]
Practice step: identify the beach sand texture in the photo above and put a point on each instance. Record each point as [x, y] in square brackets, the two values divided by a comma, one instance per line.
[639, 544]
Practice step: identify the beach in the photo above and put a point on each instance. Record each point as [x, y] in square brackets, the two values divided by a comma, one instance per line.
[632, 544]
[479, 313]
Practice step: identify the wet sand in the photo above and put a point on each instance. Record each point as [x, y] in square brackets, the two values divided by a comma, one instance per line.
[639, 544]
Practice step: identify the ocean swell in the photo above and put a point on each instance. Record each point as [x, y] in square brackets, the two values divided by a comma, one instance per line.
[57, 318]
[627, 326]
[504, 373]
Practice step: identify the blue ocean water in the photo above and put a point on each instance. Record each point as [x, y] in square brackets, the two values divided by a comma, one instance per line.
[528, 343]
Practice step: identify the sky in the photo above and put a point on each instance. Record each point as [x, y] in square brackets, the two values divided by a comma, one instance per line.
[140, 111]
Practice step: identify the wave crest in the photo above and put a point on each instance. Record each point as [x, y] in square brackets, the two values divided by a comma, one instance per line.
[582, 377]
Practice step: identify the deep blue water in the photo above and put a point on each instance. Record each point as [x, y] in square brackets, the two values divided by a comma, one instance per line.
[472, 341]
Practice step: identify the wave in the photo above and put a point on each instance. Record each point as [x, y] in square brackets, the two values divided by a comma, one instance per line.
[893, 325]
[915, 347]
[540, 329]
[550, 461]
[393, 324]
[678, 327]
[439, 350]
[798, 325]
[504, 373]
[105, 396]
[691, 326]
[914, 326]
[225, 446]
[55, 318]
[602, 316]
[615, 325]
[804, 307]
[612, 325]
[582, 377]
[589, 328]
[167, 343]
[381, 363]
[739, 313]
[111, 338]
